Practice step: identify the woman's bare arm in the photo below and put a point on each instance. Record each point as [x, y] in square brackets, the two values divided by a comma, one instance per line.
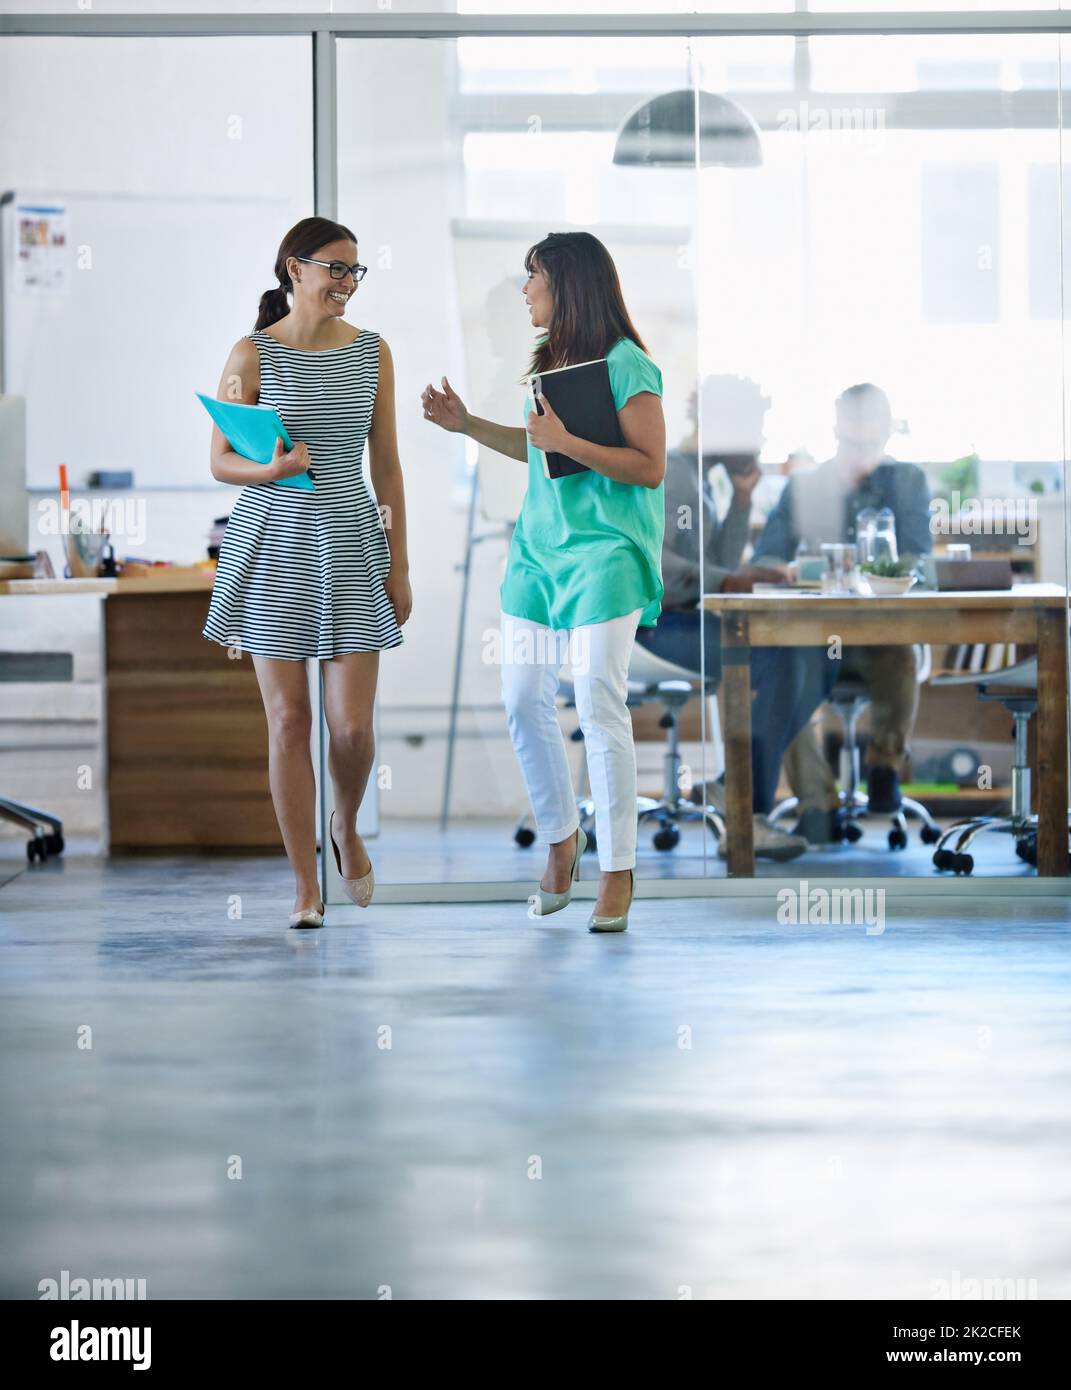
[642, 461]
[240, 384]
[446, 409]
[504, 439]
[385, 466]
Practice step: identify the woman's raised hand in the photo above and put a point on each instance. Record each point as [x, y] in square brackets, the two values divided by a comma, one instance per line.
[288, 463]
[444, 408]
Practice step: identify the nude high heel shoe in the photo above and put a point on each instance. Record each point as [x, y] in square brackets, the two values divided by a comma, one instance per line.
[308, 917]
[358, 890]
[614, 923]
[554, 902]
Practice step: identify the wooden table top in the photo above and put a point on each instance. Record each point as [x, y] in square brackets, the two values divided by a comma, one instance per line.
[779, 601]
[163, 582]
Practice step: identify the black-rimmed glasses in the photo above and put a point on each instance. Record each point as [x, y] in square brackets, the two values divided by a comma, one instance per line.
[339, 269]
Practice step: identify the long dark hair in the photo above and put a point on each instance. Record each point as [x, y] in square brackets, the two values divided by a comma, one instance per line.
[589, 314]
[303, 239]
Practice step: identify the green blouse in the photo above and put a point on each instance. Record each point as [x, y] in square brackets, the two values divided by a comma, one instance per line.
[587, 548]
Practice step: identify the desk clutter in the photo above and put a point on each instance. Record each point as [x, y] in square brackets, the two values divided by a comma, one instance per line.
[37, 566]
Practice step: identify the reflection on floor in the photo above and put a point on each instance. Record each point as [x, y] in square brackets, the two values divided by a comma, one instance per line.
[484, 851]
[469, 851]
[458, 1102]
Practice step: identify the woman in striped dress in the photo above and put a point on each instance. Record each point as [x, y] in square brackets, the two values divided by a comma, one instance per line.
[321, 573]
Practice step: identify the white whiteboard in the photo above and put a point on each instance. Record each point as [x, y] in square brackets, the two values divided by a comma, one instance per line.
[157, 291]
[488, 259]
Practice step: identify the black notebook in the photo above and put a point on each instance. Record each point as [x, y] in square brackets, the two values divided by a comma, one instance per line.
[582, 396]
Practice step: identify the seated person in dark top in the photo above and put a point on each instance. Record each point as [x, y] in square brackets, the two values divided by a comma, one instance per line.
[732, 413]
[822, 505]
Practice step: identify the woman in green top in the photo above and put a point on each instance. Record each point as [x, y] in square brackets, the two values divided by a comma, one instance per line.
[584, 566]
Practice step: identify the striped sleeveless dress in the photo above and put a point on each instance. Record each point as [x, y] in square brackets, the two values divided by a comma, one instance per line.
[300, 574]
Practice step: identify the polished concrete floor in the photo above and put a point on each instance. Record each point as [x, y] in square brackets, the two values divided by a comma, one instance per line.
[713, 1102]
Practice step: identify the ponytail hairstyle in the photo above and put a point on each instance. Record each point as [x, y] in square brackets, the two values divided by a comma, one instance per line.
[304, 238]
[589, 314]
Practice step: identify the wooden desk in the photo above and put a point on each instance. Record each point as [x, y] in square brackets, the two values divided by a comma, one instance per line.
[186, 737]
[165, 581]
[1033, 614]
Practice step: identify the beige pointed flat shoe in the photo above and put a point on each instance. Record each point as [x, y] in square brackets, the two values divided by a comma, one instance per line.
[358, 890]
[308, 917]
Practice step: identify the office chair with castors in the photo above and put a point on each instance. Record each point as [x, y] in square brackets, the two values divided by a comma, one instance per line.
[1016, 689]
[849, 698]
[653, 680]
[45, 830]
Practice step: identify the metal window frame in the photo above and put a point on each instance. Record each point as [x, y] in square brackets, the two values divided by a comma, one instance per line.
[388, 24]
[326, 29]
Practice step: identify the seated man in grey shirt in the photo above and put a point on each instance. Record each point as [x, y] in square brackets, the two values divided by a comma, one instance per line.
[822, 505]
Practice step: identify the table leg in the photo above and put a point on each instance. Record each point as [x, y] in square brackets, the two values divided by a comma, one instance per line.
[736, 677]
[1052, 743]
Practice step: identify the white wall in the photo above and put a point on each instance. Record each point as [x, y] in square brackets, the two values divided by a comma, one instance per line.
[157, 147]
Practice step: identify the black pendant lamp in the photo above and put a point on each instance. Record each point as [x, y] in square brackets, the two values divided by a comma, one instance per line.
[660, 133]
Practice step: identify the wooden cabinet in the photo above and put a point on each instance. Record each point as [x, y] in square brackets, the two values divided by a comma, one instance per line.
[187, 740]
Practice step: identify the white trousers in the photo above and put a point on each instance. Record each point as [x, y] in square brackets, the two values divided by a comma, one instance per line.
[532, 657]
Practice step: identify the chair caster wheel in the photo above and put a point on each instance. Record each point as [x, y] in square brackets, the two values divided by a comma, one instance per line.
[963, 863]
[851, 832]
[524, 837]
[897, 838]
[666, 838]
[929, 834]
[943, 858]
[1027, 850]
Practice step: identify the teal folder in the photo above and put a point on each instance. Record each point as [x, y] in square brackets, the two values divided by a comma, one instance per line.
[251, 430]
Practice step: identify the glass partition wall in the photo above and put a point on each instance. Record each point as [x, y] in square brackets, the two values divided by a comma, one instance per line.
[455, 157]
[846, 253]
[852, 282]
[879, 307]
